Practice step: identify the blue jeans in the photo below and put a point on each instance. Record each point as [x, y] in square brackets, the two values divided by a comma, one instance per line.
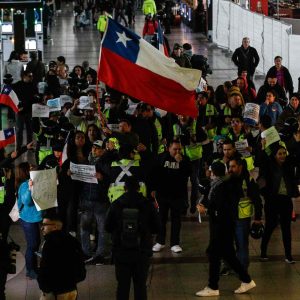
[33, 240]
[92, 210]
[242, 230]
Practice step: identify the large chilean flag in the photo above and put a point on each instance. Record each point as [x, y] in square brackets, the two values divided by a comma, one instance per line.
[134, 67]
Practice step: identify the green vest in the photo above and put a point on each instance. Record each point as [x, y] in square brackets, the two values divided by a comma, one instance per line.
[2, 190]
[158, 127]
[102, 21]
[246, 207]
[227, 111]
[210, 110]
[192, 151]
[116, 189]
[43, 152]
[84, 125]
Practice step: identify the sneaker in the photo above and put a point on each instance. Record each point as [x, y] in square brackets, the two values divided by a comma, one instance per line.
[87, 258]
[289, 260]
[72, 233]
[97, 261]
[176, 249]
[158, 247]
[208, 292]
[245, 287]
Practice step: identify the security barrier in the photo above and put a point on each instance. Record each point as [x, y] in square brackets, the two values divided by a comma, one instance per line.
[269, 36]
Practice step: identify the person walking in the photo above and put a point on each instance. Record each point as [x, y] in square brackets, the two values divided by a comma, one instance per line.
[132, 219]
[219, 207]
[246, 58]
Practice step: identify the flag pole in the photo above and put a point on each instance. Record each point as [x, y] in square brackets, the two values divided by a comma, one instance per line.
[15, 134]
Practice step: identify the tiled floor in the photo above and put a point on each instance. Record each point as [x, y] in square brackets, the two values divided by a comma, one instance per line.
[173, 277]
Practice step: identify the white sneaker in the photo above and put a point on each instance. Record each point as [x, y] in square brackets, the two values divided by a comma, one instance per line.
[245, 287]
[176, 249]
[158, 247]
[208, 292]
[72, 233]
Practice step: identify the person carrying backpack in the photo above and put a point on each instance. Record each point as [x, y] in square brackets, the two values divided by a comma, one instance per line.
[132, 219]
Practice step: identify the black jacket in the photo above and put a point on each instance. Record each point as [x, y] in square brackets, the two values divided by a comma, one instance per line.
[272, 174]
[246, 59]
[262, 93]
[169, 178]
[62, 263]
[288, 81]
[148, 220]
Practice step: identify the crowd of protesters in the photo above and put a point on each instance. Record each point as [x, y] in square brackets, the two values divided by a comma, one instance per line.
[124, 137]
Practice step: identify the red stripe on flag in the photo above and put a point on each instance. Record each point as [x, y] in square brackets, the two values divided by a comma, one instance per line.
[6, 100]
[147, 86]
[8, 141]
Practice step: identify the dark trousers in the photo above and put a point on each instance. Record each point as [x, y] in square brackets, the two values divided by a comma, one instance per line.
[3, 276]
[278, 210]
[175, 208]
[5, 222]
[92, 211]
[21, 121]
[138, 272]
[32, 236]
[221, 247]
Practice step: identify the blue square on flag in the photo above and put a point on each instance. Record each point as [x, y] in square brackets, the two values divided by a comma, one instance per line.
[122, 41]
[8, 133]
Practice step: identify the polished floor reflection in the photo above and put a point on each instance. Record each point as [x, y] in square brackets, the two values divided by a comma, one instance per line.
[172, 277]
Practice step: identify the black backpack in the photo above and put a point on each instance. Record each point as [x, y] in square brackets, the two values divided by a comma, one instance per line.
[131, 229]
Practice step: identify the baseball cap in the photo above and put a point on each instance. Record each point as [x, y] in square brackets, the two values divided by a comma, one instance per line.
[98, 143]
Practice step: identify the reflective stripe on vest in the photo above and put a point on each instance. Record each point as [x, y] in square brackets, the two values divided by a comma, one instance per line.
[116, 189]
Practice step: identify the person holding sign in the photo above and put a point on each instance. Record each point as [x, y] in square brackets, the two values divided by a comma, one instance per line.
[30, 218]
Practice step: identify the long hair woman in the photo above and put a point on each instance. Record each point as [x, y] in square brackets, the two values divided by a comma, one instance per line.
[30, 217]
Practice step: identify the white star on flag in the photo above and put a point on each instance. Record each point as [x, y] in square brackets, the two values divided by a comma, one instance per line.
[122, 38]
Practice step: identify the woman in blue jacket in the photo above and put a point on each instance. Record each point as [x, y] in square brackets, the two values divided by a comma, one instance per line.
[29, 217]
[271, 107]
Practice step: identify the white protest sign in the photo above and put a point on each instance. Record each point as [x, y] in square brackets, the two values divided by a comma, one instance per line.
[65, 99]
[113, 127]
[84, 102]
[241, 147]
[40, 111]
[271, 136]
[251, 113]
[85, 173]
[54, 104]
[44, 188]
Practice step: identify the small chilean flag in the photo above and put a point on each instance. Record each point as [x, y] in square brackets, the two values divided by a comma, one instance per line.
[9, 98]
[161, 43]
[7, 136]
[134, 67]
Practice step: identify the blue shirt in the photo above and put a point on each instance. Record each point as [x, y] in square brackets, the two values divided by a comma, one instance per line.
[28, 212]
[273, 110]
